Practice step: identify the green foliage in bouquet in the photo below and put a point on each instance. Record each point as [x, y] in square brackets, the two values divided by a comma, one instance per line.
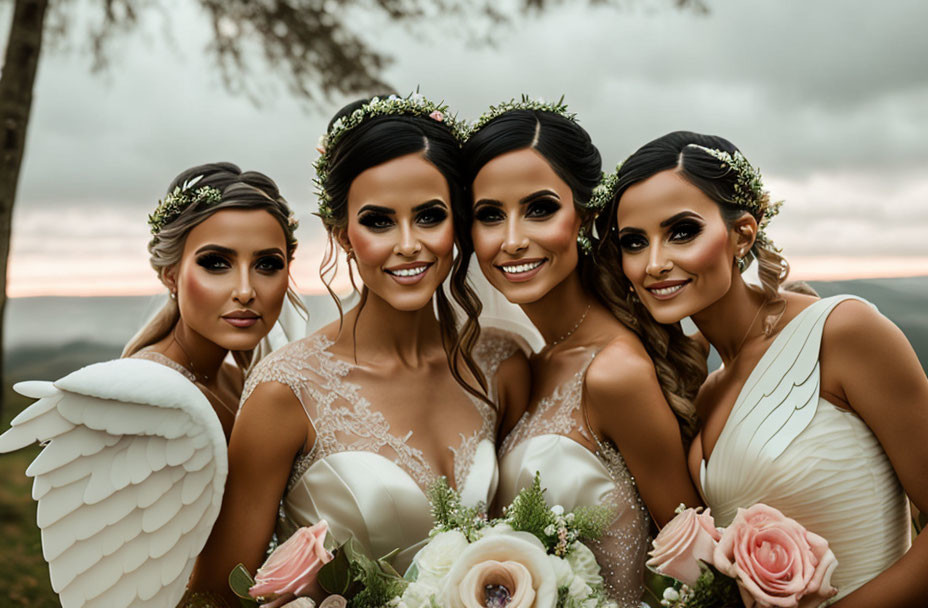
[364, 582]
[449, 513]
[712, 590]
[529, 512]
[240, 581]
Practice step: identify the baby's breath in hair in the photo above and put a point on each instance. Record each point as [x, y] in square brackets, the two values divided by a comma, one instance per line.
[414, 104]
[749, 189]
[526, 103]
[179, 199]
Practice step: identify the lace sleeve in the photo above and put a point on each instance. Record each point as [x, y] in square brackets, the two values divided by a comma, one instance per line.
[287, 365]
[494, 347]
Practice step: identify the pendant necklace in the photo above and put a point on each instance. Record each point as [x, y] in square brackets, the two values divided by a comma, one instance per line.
[572, 329]
[190, 365]
[750, 326]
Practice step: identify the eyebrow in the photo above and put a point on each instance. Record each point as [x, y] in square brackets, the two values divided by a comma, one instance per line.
[388, 211]
[524, 200]
[233, 253]
[675, 218]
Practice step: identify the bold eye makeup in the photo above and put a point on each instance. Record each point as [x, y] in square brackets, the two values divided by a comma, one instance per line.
[684, 230]
[488, 214]
[542, 208]
[269, 264]
[375, 221]
[431, 214]
[213, 262]
[632, 242]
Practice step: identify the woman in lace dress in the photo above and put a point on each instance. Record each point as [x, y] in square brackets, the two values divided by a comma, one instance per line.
[821, 407]
[353, 423]
[222, 242]
[598, 418]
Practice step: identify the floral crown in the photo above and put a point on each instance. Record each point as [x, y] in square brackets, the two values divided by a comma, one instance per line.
[538, 105]
[749, 188]
[179, 199]
[414, 104]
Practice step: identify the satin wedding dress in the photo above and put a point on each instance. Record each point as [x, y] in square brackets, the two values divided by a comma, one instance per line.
[573, 476]
[365, 474]
[786, 446]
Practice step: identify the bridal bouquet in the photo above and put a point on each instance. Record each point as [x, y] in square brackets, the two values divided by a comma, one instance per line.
[532, 557]
[762, 560]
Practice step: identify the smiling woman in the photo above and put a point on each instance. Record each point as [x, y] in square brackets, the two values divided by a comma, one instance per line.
[352, 424]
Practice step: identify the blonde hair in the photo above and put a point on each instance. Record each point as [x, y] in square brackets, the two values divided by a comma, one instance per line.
[240, 190]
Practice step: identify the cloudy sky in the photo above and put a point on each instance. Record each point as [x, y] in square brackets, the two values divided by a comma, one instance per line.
[829, 98]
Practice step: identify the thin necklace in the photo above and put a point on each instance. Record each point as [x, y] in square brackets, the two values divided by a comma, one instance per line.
[746, 333]
[193, 368]
[572, 329]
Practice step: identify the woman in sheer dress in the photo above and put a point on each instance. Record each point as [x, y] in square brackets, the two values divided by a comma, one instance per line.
[821, 406]
[598, 418]
[353, 423]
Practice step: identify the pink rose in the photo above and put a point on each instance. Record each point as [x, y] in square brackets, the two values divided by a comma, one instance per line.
[290, 571]
[436, 115]
[691, 536]
[775, 560]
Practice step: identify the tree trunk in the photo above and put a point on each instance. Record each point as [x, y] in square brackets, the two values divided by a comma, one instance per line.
[19, 68]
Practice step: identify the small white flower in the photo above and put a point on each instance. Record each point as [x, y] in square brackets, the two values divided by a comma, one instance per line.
[557, 510]
[550, 530]
[671, 595]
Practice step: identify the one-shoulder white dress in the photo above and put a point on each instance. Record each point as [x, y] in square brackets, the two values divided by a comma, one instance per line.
[365, 474]
[574, 477]
[785, 445]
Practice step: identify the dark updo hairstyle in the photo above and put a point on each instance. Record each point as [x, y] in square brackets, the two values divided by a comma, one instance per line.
[381, 139]
[569, 150]
[564, 144]
[240, 190]
[680, 152]
[684, 153]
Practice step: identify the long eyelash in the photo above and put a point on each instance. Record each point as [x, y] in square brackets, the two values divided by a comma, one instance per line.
[210, 260]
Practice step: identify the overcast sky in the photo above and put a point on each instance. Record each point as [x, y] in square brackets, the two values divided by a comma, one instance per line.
[829, 98]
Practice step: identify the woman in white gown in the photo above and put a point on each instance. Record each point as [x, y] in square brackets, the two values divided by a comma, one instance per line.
[821, 406]
[598, 418]
[130, 481]
[353, 423]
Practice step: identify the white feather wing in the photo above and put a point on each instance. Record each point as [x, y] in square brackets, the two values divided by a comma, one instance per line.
[129, 483]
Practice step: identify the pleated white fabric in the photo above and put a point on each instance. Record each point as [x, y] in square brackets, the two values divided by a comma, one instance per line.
[786, 446]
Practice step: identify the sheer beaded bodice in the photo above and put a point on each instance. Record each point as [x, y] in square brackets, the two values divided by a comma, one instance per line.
[369, 467]
[574, 476]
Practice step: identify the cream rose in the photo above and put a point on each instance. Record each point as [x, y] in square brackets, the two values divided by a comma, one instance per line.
[291, 569]
[435, 559]
[691, 536]
[513, 563]
[776, 561]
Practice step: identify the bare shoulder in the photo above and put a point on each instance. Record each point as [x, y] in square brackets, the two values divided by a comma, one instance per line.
[856, 333]
[623, 367]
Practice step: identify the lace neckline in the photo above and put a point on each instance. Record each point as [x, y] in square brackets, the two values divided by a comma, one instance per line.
[346, 420]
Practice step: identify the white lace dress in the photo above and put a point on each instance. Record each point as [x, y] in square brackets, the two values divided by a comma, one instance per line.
[365, 474]
[785, 445]
[574, 476]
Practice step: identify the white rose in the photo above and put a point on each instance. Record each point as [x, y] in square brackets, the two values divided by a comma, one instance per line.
[583, 563]
[514, 560]
[300, 602]
[563, 573]
[435, 559]
[418, 595]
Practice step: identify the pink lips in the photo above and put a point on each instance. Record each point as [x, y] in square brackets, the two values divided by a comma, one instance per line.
[408, 274]
[509, 269]
[241, 318]
[666, 290]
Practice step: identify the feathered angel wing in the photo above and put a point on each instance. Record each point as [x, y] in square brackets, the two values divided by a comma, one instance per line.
[129, 483]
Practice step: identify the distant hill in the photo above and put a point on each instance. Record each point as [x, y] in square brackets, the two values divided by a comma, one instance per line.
[49, 337]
